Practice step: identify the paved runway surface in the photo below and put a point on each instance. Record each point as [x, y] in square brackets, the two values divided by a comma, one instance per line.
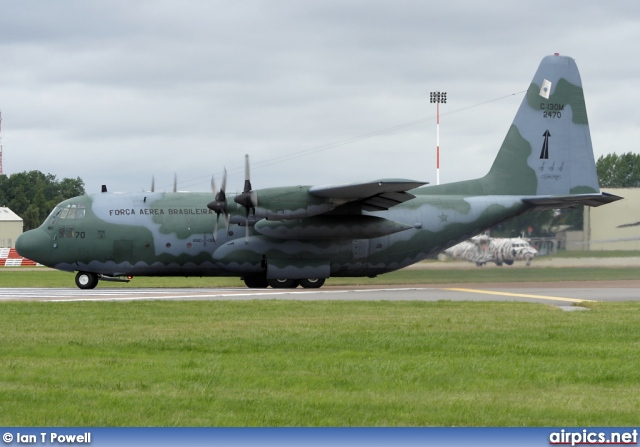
[557, 294]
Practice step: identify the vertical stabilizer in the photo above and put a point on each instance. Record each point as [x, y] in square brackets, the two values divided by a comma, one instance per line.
[547, 150]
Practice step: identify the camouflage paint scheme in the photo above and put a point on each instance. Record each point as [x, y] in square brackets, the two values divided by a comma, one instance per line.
[304, 233]
[482, 249]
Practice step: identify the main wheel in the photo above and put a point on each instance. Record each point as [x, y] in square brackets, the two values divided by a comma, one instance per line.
[256, 281]
[283, 283]
[312, 283]
[86, 280]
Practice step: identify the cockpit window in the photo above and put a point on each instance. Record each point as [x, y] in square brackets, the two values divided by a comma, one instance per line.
[70, 211]
[54, 216]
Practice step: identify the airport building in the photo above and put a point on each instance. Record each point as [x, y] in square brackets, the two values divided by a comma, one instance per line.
[10, 227]
[615, 226]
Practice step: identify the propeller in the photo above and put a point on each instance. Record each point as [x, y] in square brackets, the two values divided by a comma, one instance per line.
[175, 182]
[153, 184]
[247, 198]
[219, 203]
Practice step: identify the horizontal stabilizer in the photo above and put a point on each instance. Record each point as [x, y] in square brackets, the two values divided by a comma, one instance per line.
[553, 202]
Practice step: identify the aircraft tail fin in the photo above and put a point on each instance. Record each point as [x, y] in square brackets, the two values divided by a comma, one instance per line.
[547, 150]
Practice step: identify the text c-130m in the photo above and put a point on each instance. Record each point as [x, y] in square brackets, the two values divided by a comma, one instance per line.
[301, 235]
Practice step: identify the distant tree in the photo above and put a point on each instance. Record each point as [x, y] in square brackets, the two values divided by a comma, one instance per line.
[32, 195]
[31, 217]
[3, 197]
[540, 223]
[572, 217]
[531, 224]
[619, 171]
[71, 187]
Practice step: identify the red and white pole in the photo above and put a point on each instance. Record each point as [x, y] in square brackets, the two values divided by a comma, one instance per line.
[438, 97]
[438, 143]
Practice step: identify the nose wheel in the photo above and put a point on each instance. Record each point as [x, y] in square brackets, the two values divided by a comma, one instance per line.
[86, 280]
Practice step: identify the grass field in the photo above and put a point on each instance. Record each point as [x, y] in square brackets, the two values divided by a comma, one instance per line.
[287, 363]
[283, 363]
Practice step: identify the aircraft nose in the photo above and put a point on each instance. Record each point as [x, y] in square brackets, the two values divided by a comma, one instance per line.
[34, 245]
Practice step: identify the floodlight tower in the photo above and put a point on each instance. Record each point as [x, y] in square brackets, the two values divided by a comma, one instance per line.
[438, 98]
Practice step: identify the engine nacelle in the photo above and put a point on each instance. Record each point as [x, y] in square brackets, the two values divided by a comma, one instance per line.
[289, 203]
[330, 227]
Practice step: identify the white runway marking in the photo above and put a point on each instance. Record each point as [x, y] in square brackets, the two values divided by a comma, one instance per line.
[65, 295]
[550, 296]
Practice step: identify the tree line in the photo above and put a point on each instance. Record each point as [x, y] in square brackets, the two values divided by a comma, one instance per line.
[33, 195]
[619, 171]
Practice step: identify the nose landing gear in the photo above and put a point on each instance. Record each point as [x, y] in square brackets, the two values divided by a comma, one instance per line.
[86, 280]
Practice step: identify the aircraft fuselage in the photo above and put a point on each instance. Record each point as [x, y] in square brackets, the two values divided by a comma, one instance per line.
[171, 234]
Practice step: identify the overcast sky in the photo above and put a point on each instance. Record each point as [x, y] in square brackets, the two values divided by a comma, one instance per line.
[115, 92]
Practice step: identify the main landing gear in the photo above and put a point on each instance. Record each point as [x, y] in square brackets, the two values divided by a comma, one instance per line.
[261, 282]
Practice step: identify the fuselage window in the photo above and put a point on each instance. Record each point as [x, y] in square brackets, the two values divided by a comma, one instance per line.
[65, 231]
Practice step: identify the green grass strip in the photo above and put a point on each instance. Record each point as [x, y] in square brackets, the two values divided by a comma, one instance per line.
[284, 363]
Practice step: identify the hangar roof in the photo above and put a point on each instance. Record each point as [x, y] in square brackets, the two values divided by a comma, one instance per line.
[6, 215]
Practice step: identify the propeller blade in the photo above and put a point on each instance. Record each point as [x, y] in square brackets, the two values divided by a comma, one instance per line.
[153, 184]
[215, 229]
[219, 203]
[175, 182]
[247, 174]
[247, 198]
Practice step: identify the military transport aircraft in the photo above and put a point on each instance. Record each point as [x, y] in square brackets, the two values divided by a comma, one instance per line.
[300, 235]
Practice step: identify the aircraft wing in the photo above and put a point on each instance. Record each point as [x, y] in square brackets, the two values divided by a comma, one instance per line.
[552, 202]
[376, 195]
